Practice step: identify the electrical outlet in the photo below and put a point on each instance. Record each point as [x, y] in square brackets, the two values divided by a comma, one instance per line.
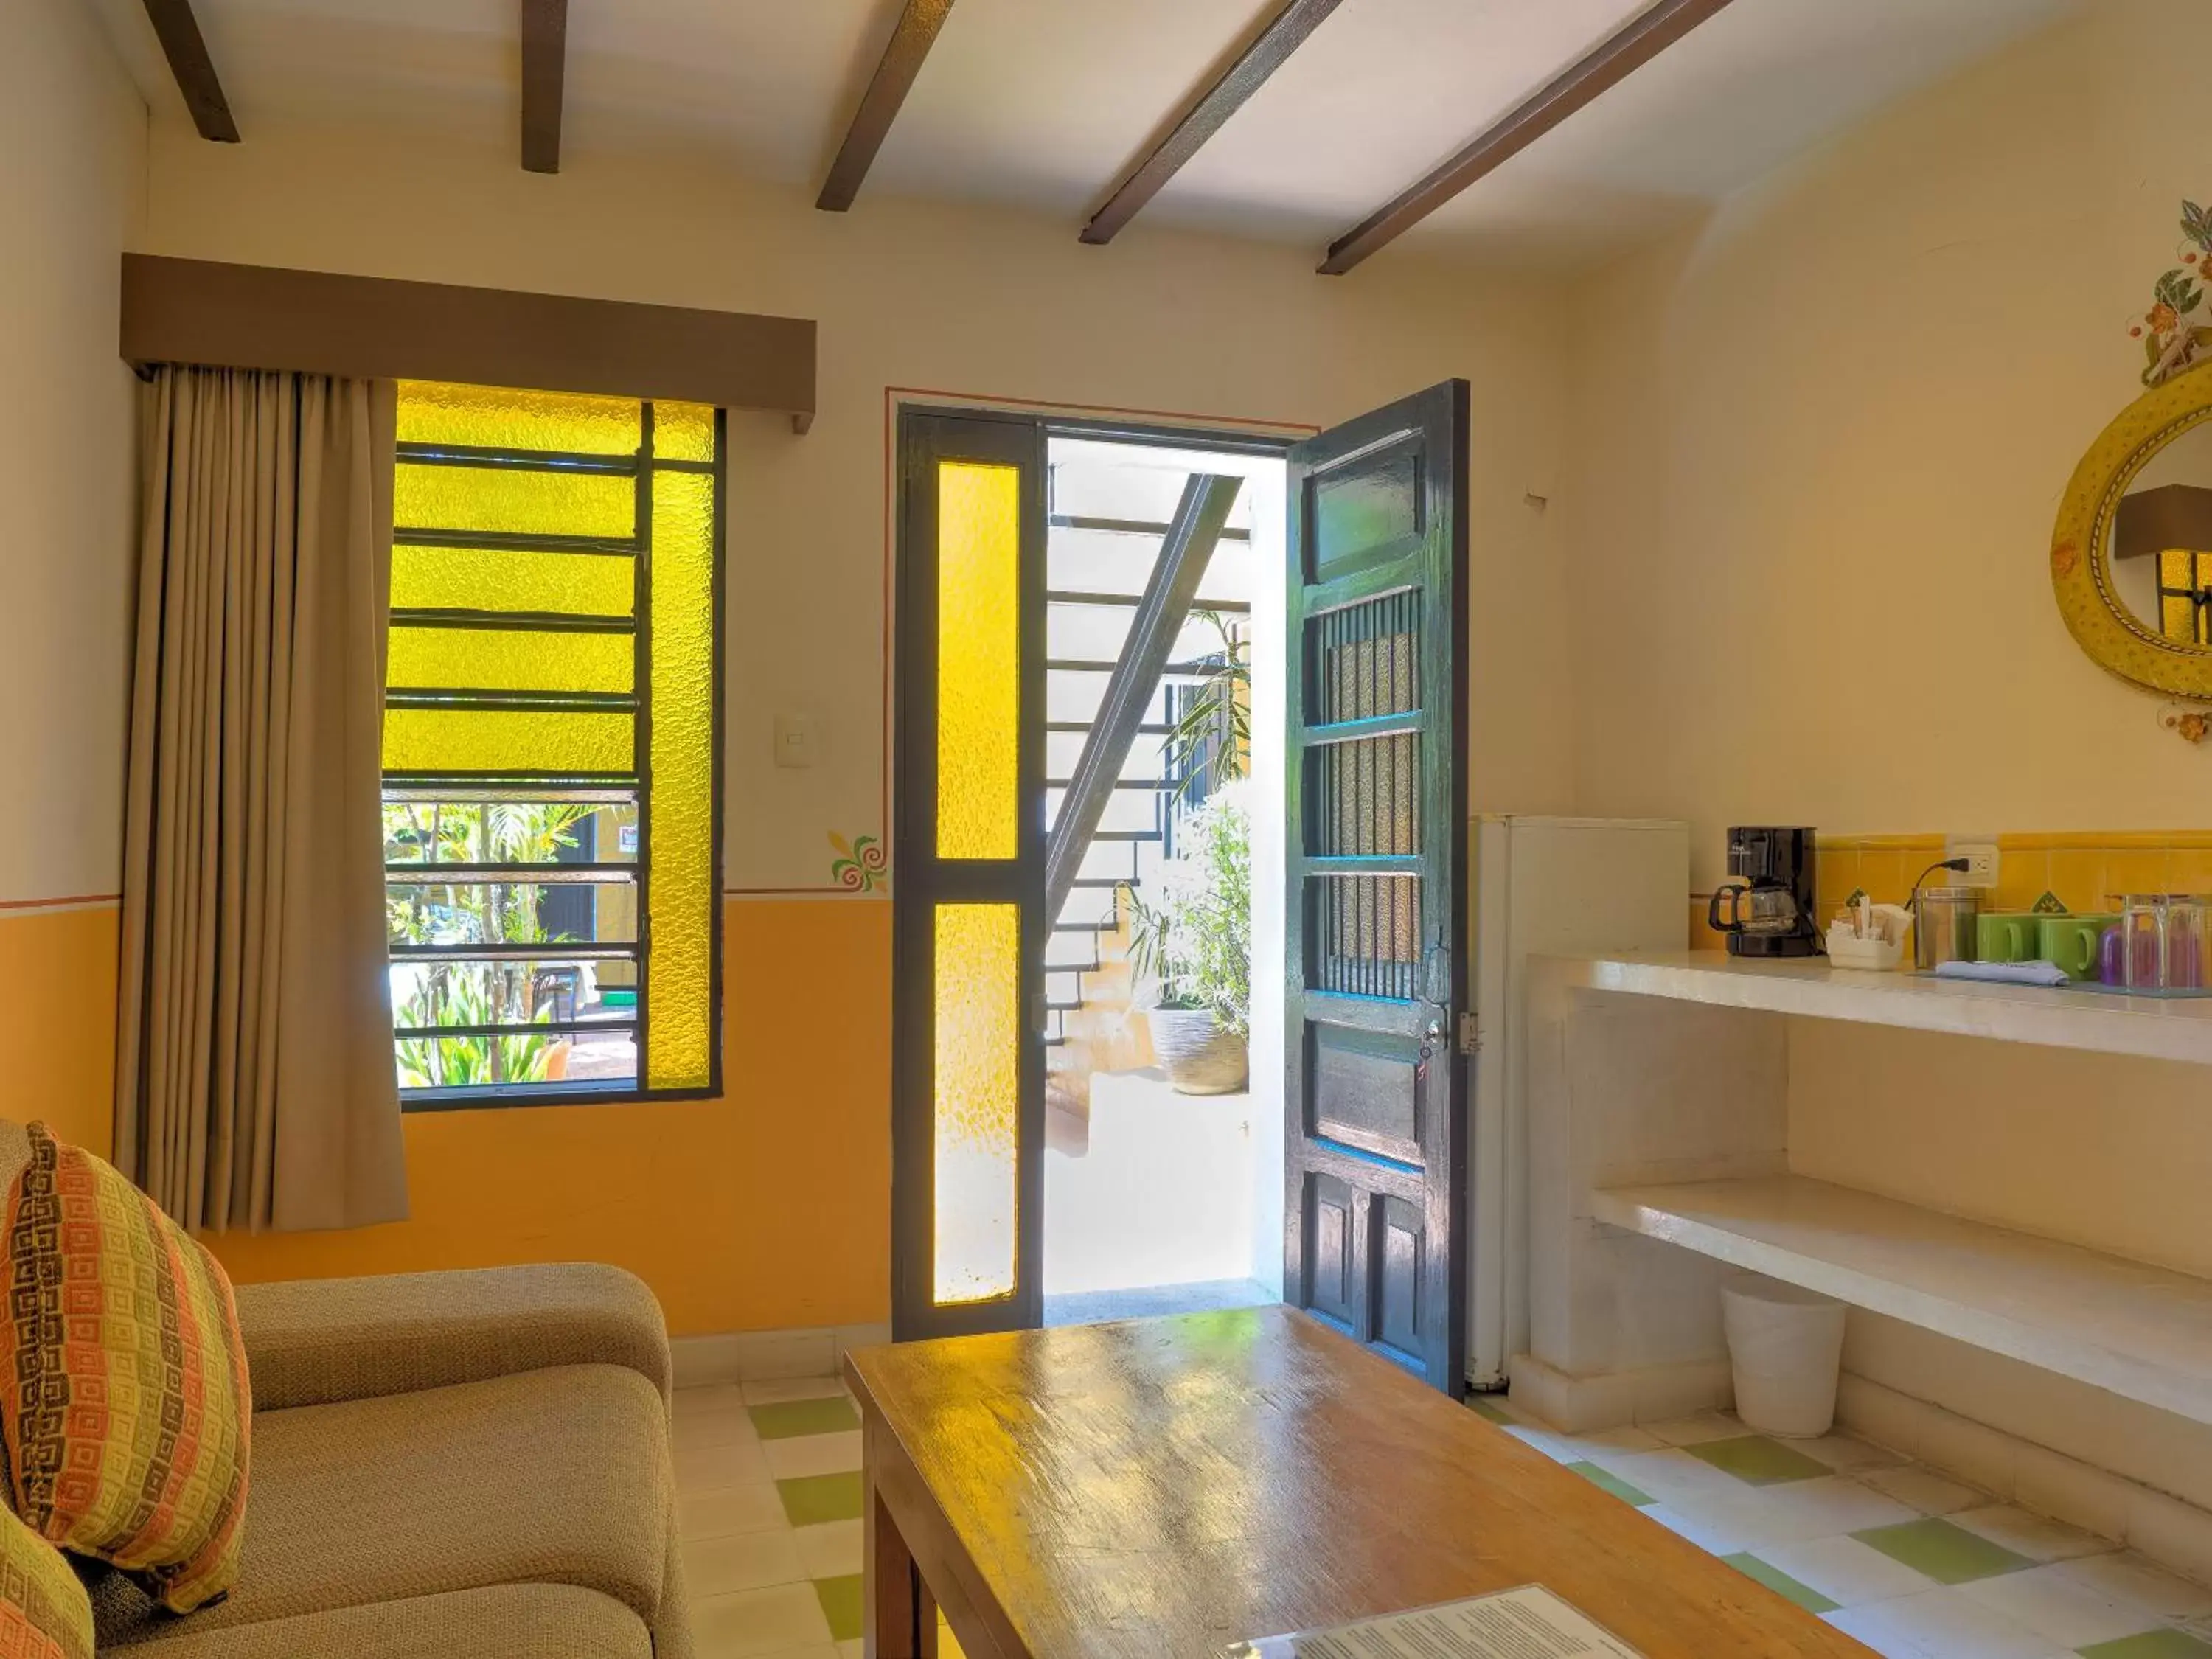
[1981, 858]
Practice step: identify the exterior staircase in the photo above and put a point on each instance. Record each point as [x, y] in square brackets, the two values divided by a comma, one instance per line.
[1098, 572]
[1090, 983]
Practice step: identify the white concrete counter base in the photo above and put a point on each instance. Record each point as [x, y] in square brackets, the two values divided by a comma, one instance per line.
[1691, 1115]
[2140, 1331]
[2055, 1017]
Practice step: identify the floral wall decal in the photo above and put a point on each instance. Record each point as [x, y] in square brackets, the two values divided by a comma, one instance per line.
[2171, 342]
[862, 865]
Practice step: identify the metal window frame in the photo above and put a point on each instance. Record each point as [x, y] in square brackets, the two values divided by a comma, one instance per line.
[599, 788]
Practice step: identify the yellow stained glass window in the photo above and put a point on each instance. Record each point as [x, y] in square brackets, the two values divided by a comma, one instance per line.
[683, 432]
[429, 496]
[499, 417]
[978, 660]
[502, 741]
[2182, 575]
[679, 974]
[514, 745]
[976, 991]
[507, 579]
[502, 660]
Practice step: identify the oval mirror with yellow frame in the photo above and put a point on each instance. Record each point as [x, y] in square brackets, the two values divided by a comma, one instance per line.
[2131, 556]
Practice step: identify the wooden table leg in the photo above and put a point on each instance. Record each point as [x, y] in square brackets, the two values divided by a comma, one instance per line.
[898, 1618]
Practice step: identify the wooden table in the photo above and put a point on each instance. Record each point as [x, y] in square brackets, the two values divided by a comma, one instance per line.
[1159, 1487]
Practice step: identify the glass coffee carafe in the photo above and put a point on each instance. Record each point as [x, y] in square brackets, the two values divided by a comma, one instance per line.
[1763, 909]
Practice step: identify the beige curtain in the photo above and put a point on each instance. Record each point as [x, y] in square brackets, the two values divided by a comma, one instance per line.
[254, 1084]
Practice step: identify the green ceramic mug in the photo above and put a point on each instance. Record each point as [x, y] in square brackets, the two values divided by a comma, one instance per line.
[2007, 936]
[2072, 942]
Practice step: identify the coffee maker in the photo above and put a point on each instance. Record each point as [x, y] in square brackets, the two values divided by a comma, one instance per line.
[1765, 907]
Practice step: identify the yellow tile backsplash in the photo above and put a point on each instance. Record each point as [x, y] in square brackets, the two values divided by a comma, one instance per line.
[2086, 869]
[2083, 869]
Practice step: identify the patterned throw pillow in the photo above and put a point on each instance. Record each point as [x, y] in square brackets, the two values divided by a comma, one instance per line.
[123, 1397]
[43, 1611]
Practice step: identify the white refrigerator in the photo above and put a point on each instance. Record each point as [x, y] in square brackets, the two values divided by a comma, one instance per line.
[1542, 886]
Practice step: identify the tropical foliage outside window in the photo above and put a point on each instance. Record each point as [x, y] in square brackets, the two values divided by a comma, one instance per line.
[550, 757]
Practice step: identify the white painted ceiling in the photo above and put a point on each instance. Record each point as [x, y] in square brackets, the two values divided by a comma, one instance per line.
[1041, 104]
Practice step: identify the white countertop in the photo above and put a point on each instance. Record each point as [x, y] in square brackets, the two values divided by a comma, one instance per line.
[2056, 1017]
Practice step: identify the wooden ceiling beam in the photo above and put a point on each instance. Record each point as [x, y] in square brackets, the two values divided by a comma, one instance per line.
[911, 42]
[179, 31]
[1612, 61]
[1284, 35]
[544, 76]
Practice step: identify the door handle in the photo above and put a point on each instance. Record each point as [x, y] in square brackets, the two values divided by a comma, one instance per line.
[1431, 1035]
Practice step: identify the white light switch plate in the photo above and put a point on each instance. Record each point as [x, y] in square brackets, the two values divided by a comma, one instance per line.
[795, 740]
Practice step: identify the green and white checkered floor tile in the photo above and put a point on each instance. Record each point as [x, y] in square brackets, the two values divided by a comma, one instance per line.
[1913, 1563]
[768, 1498]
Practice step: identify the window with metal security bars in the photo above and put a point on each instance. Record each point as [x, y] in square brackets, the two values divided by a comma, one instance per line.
[1363, 795]
[551, 754]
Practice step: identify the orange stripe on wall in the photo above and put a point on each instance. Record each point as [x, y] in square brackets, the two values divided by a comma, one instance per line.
[767, 1208]
[58, 1021]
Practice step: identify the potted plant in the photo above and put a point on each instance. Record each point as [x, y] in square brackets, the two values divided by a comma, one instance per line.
[1194, 939]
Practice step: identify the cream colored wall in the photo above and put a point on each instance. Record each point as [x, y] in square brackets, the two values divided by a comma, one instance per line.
[1845, 408]
[951, 298]
[2099, 1151]
[2096, 1149]
[770, 1206]
[71, 195]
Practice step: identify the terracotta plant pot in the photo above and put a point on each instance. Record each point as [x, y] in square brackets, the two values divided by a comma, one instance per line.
[1199, 1057]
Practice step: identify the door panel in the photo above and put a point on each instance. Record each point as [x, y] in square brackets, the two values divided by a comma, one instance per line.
[1331, 1218]
[969, 927]
[1367, 512]
[1376, 970]
[1401, 1247]
[1363, 1090]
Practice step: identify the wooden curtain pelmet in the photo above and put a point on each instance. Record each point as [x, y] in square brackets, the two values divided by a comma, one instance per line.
[313, 322]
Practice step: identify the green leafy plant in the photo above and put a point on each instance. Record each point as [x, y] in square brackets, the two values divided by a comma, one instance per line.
[434, 994]
[1195, 936]
[1215, 729]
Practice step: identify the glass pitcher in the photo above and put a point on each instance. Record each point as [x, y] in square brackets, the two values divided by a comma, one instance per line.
[1759, 908]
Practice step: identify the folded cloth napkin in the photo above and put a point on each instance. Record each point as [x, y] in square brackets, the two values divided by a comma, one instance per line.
[2008, 973]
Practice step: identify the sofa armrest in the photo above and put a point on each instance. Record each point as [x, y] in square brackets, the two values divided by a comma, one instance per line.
[313, 1341]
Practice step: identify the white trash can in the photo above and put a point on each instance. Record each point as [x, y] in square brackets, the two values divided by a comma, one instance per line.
[1785, 1345]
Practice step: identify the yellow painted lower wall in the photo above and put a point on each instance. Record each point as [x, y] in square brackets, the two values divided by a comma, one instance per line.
[767, 1208]
[58, 1020]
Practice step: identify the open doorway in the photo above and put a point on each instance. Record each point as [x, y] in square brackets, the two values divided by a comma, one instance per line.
[1072, 672]
[1087, 639]
[1162, 1147]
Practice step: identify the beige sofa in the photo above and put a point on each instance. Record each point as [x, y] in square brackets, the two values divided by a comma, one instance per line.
[453, 1463]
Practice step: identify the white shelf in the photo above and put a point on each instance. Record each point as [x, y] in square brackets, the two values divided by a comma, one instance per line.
[2057, 1016]
[2141, 1332]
